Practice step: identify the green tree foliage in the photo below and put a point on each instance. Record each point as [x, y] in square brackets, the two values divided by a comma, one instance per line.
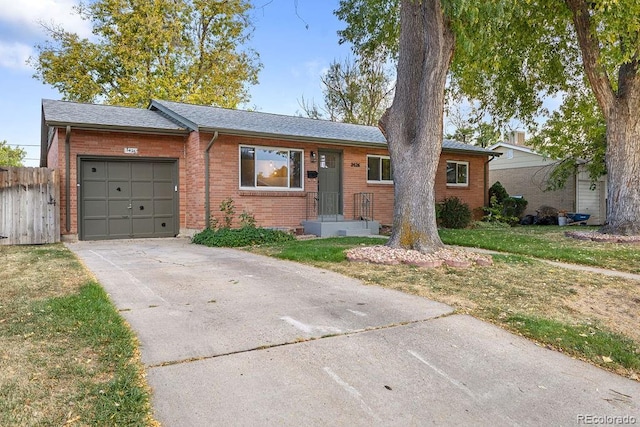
[180, 50]
[10, 156]
[575, 134]
[512, 54]
[355, 91]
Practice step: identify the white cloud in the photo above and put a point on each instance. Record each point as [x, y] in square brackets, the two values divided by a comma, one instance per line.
[14, 55]
[28, 13]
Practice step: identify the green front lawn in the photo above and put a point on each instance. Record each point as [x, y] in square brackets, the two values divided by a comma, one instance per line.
[549, 242]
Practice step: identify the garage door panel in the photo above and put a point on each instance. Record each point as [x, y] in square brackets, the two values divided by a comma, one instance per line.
[119, 208]
[95, 189]
[142, 208]
[119, 189]
[95, 228]
[119, 171]
[163, 171]
[141, 189]
[163, 189]
[163, 226]
[163, 207]
[143, 226]
[127, 198]
[142, 171]
[95, 209]
[119, 228]
[94, 170]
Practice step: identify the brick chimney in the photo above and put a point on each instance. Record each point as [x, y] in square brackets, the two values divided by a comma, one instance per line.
[516, 137]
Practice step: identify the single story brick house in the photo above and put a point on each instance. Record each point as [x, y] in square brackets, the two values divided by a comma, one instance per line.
[163, 171]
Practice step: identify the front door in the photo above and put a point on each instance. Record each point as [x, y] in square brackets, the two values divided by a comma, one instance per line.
[329, 183]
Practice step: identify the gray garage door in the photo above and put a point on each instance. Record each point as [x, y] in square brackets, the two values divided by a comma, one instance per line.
[127, 199]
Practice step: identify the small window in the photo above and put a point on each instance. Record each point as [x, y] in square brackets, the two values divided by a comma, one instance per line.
[379, 169]
[457, 173]
[270, 168]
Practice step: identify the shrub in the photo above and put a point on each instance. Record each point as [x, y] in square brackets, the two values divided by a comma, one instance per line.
[514, 206]
[453, 213]
[498, 191]
[247, 219]
[246, 236]
[228, 209]
[502, 207]
[495, 212]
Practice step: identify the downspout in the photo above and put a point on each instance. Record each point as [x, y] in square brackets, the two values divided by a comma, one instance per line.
[207, 181]
[486, 178]
[67, 178]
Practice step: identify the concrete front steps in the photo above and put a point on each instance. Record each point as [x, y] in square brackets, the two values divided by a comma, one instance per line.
[341, 228]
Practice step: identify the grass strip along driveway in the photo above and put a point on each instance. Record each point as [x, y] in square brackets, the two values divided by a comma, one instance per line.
[588, 316]
[66, 355]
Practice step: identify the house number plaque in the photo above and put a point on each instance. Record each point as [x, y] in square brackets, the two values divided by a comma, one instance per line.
[355, 164]
[131, 150]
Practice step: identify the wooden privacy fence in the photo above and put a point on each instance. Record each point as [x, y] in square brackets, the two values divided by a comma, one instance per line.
[29, 208]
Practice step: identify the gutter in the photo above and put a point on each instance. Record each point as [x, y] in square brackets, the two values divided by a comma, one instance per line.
[207, 181]
[117, 128]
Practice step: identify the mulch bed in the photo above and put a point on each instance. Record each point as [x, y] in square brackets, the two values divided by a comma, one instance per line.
[393, 256]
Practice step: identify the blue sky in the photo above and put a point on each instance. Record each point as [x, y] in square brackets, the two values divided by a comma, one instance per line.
[293, 57]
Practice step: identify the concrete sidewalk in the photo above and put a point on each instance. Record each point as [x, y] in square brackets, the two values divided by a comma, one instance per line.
[232, 338]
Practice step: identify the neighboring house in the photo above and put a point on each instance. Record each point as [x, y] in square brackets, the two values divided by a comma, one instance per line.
[524, 172]
[162, 171]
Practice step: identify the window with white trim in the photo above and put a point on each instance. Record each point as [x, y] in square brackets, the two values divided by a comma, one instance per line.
[379, 169]
[457, 173]
[270, 168]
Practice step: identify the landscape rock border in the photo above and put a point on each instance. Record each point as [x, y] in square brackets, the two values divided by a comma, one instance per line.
[595, 236]
[385, 255]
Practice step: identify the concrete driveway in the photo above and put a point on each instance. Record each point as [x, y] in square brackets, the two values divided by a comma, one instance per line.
[231, 338]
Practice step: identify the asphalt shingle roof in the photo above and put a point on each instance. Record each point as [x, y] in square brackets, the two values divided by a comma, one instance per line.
[251, 122]
[267, 124]
[167, 116]
[63, 113]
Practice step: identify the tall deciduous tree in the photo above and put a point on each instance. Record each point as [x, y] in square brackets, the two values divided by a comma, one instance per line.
[182, 50]
[10, 156]
[511, 54]
[355, 91]
[413, 123]
[546, 46]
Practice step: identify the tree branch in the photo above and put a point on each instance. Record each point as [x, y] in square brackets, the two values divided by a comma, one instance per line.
[590, 49]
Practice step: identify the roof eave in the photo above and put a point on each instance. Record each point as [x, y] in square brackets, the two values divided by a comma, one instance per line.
[112, 128]
[475, 152]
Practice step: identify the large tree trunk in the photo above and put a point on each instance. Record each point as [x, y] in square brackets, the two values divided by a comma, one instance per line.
[623, 167]
[621, 109]
[413, 124]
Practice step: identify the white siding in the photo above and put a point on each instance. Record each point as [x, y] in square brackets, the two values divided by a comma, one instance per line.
[591, 200]
[520, 159]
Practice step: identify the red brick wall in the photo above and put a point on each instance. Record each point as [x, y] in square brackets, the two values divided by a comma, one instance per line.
[112, 144]
[474, 193]
[288, 208]
[194, 180]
